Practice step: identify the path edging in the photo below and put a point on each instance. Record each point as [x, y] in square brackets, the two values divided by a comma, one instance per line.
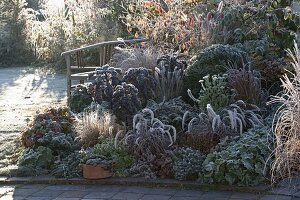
[166, 183]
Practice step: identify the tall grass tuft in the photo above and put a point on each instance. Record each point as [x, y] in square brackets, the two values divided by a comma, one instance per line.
[126, 58]
[286, 123]
[95, 127]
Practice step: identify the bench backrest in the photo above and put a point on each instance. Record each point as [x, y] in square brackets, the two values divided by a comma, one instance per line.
[105, 50]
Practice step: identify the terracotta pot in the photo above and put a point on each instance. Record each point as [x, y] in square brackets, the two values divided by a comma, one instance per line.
[95, 172]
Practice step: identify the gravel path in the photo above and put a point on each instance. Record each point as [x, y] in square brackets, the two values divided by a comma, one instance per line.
[23, 90]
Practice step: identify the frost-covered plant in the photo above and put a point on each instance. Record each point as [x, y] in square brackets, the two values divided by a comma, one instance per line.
[203, 130]
[80, 98]
[107, 78]
[214, 91]
[241, 161]
[49, 139]
[286, 123]
[236, 116]
[94, 160]
[94, 126]
[71, 25]
[213, 60]
[126, 58]
[144, 81]
[239, 117]
[59, 143]
[153, 166]
[39, 158]
[272, 69]
[125, 102]
[169, 76]
[167, 24]
[149, 141]
[119, 153]
[246, 86]
[206, 129]
[258, 47]
[68, 167]
[149, 128]
[52, 119]
[171, 111]
[187, 163]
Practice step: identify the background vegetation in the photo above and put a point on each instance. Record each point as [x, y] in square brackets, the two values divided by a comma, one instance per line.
[38, 31]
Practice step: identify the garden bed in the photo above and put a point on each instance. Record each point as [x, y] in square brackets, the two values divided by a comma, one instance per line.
[201, 113]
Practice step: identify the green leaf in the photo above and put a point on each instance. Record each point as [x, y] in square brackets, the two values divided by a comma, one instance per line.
[247, 164]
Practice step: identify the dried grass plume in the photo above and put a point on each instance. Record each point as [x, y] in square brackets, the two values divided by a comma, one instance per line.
[286, 123]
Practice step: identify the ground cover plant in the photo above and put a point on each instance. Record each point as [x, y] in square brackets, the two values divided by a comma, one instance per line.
[192, 108]
[242, 161]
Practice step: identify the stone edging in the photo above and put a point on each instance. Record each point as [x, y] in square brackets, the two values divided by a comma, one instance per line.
[165, 183]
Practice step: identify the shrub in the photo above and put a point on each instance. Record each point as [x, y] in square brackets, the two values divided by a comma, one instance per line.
[106, 81]
[76, 24]
[39, 158]
[241, 161]
[171, 111]
[125, 102]
[187, 163]
[148, 141]
[286, 127]
[213, 60]
[246, 86]
[49, 142]
[68, 167]
[144, 81]
[272, 69]
[119, 153]
[205, 130]
[56, 120]
[80, 98]
[13, 20]
[59, 143]
[214, 91]
[168, 24]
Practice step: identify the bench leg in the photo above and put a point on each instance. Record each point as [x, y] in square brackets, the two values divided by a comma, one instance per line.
[68, 90]
[68, 62]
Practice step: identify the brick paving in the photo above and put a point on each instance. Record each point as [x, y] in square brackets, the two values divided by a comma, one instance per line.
[93, 192]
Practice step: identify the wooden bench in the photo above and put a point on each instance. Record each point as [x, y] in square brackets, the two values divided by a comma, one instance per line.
[76, 69]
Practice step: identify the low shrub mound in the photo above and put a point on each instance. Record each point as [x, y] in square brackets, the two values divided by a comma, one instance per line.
[54, 120]
[241, 161]
[187, 163]
[213, 60]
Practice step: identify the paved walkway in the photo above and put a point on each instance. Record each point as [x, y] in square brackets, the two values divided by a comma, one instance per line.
[93, 192]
